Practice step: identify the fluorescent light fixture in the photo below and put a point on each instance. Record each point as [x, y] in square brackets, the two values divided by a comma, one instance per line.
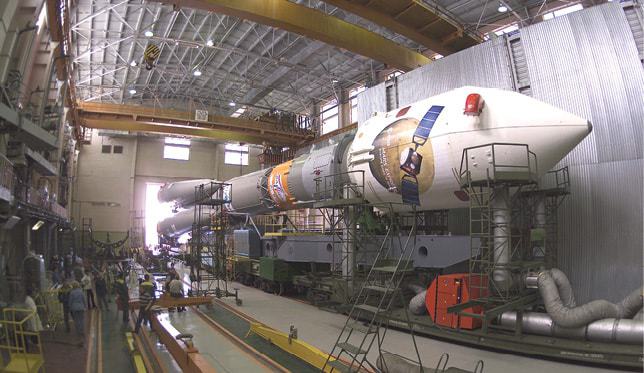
[502, 8]
[132, 91]
[210, 43]
[438, 56]
[148, 34]
[133, 63]
[334, 80]
[37, 226]
[231, 104]
[196, 73]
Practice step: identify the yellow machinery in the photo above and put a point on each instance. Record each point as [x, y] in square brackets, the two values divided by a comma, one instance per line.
[22, 345]
[290, 344]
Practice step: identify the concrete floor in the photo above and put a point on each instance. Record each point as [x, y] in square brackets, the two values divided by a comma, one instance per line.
[321, 328]
[219, 351]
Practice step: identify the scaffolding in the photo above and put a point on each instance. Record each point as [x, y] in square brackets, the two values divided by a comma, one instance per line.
[208, 243]
[373, 271]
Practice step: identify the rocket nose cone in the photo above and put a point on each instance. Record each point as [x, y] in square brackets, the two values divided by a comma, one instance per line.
[590, 127]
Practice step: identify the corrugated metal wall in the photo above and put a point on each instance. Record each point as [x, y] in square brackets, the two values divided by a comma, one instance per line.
[587, 63]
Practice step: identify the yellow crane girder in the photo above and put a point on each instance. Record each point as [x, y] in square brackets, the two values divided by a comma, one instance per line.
[313, 24]
[182, 123]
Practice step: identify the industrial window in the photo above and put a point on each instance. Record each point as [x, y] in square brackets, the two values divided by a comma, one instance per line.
[235, 154]
[106, 149]
[176, 148]
[330, 117]
[118, 149]
[353, 97]
[562, 11]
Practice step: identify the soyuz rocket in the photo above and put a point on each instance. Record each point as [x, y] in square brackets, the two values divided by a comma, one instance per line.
[405, 156]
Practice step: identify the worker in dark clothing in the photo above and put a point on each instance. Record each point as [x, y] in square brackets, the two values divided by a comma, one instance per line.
[146, 300]
[63, 298]
[101, 291]
[123, 297]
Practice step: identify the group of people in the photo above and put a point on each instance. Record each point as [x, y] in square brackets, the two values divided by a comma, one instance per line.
[85, 290]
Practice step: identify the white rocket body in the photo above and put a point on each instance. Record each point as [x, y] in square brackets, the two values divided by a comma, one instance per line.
[506, 117]
[387, 148]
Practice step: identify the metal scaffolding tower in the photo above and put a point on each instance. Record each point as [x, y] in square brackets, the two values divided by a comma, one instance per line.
[208, 243]
[377, 292]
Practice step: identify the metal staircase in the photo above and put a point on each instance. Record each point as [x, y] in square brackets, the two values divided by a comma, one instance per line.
[367, 323]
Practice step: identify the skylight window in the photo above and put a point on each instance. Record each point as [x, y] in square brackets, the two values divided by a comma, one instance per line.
[562, 11]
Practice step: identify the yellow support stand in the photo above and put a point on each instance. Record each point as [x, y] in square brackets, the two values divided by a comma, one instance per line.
[292, 345]
[137, 359]
[22, 345]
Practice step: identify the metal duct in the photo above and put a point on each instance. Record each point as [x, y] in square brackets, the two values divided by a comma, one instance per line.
[606, 330]
[556, 291]
[417, 304]
[501, 215]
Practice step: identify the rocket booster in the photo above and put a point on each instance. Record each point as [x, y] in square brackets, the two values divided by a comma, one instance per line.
[407, 156]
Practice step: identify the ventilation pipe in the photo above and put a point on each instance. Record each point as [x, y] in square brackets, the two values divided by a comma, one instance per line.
[417, 304]
[607, 330]
[556, 291]
[501, 215]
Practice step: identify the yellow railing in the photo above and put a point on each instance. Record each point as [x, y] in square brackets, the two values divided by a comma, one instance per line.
[19, 342]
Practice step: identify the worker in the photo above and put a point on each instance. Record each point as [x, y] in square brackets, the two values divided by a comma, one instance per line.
[101, 291]
[146, 300]
[34, 324]
[86, 280]
[77, 306]
[63, 298]
[176, 291]
[123, 297]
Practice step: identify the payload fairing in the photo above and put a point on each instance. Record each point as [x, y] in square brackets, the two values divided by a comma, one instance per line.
[407, 156]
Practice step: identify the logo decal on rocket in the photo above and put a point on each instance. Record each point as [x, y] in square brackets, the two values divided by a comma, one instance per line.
[403, 157]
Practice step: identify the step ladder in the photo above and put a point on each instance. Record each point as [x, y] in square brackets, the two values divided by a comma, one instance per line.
[367, 323]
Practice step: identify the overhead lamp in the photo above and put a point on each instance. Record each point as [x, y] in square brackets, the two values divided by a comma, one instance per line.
[210, 43]
[148, 34]
[37, 226]
[231, 103]
[132, 91]
[502, 8]
[196, 73]
[334, 80]
[133, 63]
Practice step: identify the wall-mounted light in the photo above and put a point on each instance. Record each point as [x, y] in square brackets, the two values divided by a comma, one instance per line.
[37, 226]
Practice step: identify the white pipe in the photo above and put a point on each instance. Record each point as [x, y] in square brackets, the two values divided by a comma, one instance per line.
[609, 330]
[501, 216]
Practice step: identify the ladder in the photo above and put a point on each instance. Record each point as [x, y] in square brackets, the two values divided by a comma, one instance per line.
[367, 323]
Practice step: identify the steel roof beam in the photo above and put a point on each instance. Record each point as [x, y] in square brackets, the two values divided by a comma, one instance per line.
[315, 25]
[144, 119]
